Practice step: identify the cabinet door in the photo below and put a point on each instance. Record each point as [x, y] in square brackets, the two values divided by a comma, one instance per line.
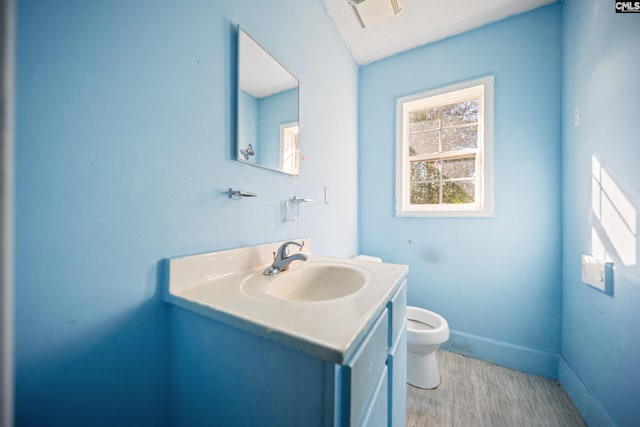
[397, 364]
[378, 412]
[363, 371]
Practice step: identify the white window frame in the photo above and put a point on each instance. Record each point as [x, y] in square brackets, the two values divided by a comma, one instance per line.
[483, 204]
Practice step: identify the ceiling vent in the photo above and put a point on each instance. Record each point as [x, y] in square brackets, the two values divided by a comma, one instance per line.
[374, 12]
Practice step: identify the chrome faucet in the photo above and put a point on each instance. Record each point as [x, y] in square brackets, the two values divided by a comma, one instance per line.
[282, 259]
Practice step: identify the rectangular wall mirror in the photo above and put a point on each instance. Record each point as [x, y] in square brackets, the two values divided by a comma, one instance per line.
[267, 111]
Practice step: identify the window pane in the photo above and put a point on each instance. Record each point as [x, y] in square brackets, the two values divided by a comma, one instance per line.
[444, 163]
[460, 138]
[424, 143]
[458, 192]
[424, 120]
[425, 193]
[425, 171]
[459, 168]
[460, 113]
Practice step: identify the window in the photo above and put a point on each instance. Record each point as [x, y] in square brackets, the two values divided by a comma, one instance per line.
[444, 151]
[289, 148]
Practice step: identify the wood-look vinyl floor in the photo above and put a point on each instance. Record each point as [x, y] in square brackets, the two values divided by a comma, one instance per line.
[473, 393]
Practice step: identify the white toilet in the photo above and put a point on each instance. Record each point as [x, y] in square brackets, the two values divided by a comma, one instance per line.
[426, 330]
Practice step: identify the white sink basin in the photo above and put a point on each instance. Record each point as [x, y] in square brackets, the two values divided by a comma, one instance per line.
[308, 282]
[317, 282]
[320, 306]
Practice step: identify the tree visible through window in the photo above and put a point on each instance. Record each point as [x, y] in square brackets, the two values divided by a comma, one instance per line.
[443, 152]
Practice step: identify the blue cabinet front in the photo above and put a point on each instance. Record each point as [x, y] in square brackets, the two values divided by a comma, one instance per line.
[221, 375]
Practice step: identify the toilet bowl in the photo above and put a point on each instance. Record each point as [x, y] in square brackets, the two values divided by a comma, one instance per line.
[426, 331]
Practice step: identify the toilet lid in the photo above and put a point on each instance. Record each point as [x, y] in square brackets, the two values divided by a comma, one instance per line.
[416, 324]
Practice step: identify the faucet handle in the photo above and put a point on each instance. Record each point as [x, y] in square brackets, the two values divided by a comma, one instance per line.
[283, 250]
[299, 245]
[285, 245]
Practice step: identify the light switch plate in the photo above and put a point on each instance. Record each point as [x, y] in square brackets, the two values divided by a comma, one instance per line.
[597, 273]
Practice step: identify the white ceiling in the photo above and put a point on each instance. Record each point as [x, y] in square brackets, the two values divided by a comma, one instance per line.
[260, 74]
[420, 22]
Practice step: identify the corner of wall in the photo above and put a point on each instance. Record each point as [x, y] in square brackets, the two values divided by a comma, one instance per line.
[589, 408]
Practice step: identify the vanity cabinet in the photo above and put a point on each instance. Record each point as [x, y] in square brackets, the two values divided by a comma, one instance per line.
[227, 376]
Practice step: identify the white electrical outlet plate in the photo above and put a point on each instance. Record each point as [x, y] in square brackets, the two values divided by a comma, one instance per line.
[597, 273]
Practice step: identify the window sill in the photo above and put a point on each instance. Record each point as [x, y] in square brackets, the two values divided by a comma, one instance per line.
[446, 214]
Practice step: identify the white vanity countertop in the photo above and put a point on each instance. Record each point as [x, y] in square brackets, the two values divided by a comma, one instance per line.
[211, 285]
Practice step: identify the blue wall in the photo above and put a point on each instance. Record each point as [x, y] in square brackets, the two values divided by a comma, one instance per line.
[125, 136]
[600, 346]
[275, 110]
[497, 280]
[260, 120]
[247, 124]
